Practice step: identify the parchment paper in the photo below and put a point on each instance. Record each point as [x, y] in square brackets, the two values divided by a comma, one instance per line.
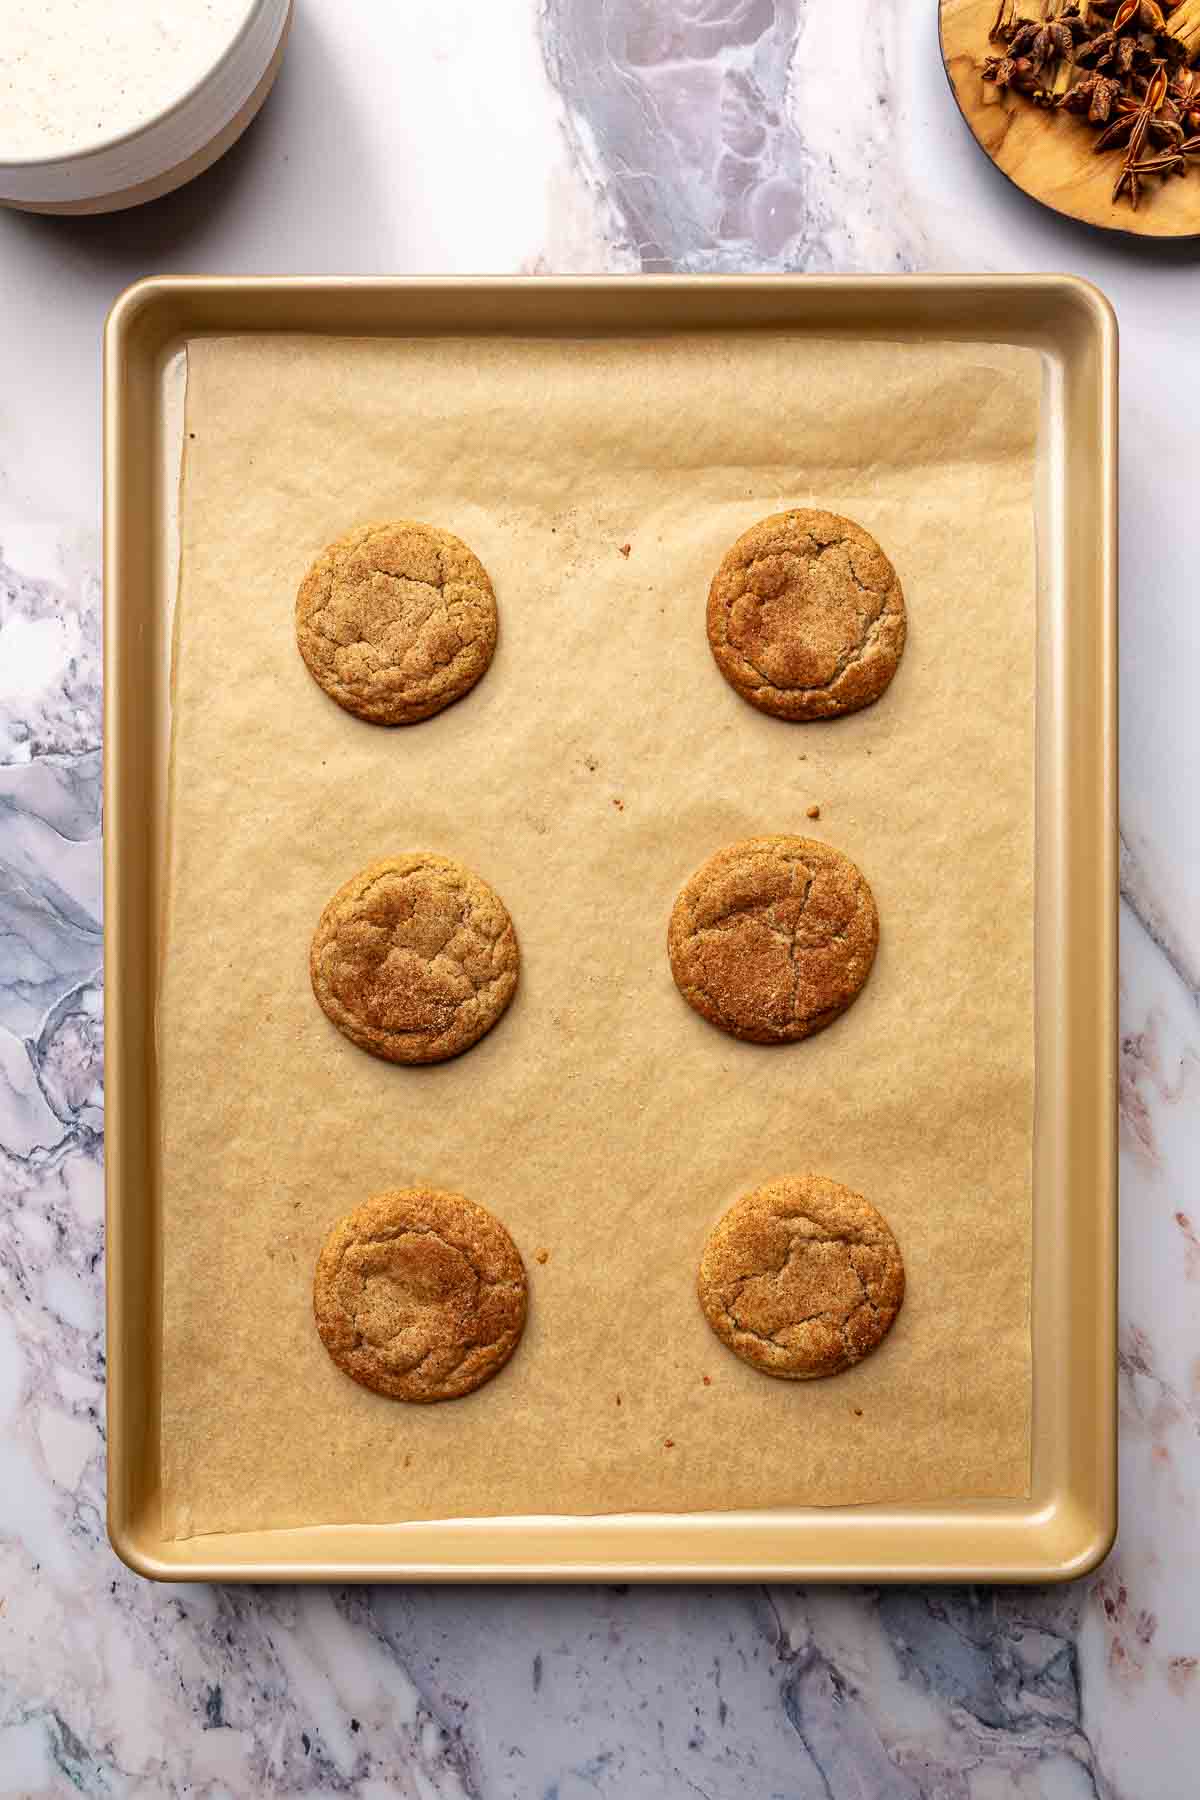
[600, 760]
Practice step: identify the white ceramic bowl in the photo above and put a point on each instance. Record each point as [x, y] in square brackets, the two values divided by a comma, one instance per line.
[105, 105]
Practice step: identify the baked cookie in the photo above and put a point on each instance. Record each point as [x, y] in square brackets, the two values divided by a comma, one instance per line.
[414, 958]
[420, 1295]
[801, 1278]
[806, 617]
[773, 937]
[396, 621]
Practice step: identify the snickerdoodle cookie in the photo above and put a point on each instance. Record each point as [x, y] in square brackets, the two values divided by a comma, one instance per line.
[420, 1295]
[773, 937]
[806, 616]
[396, 621]
[414, 958]
[801, 1278]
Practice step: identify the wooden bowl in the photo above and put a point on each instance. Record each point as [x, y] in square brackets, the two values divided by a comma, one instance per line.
[1049, 155]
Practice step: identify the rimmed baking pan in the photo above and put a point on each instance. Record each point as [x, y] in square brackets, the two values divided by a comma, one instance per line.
[1066, 1523]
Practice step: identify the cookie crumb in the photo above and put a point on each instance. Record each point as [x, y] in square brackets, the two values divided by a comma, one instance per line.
[707, 1380]
[543, 1256]
[814, 812]
[668, 1443]
[619, 804]
[625, 549]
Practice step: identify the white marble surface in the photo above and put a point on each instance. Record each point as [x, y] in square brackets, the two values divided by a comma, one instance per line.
[576, 134]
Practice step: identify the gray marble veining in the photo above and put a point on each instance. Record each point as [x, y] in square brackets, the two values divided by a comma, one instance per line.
[737, 134]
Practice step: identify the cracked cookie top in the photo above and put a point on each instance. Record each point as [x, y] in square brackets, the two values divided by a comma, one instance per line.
[801, 1278]
[806, 616]
[396, 621]
[420, 1295]
[773, 937]
[414, 958]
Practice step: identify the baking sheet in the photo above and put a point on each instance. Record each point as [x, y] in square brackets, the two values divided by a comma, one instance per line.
[601, 1120]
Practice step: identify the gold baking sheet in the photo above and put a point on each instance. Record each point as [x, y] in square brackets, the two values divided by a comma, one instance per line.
[724, 1542]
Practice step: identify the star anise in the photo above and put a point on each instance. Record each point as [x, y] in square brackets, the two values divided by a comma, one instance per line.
[1096, 95]
[1121, 54]
[1058, 37]
[1099, 50]
[1021, 35]
[1040, 39]
[1167, 162]
[1140, 124]
[1110, 48]
[1012, 72]
[1161, 132]
[1128, 181]
[1183, 92]
[1126, 75]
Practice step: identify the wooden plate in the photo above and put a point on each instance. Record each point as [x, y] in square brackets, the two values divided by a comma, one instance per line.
[1049, 154]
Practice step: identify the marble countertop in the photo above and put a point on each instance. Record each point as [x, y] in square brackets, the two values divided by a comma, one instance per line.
[538, 135]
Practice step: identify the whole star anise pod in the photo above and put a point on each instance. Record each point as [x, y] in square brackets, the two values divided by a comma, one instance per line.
[1166, 162]
[1140, 124]
[1096, 95]
[1162, 133]
[1108, 51]
[1021, 36]
[1063, 33]
[1042, 40]
[1042, 48]
[1173, 160]
[1183, 91]
[1109, 47]
[1012, 72]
